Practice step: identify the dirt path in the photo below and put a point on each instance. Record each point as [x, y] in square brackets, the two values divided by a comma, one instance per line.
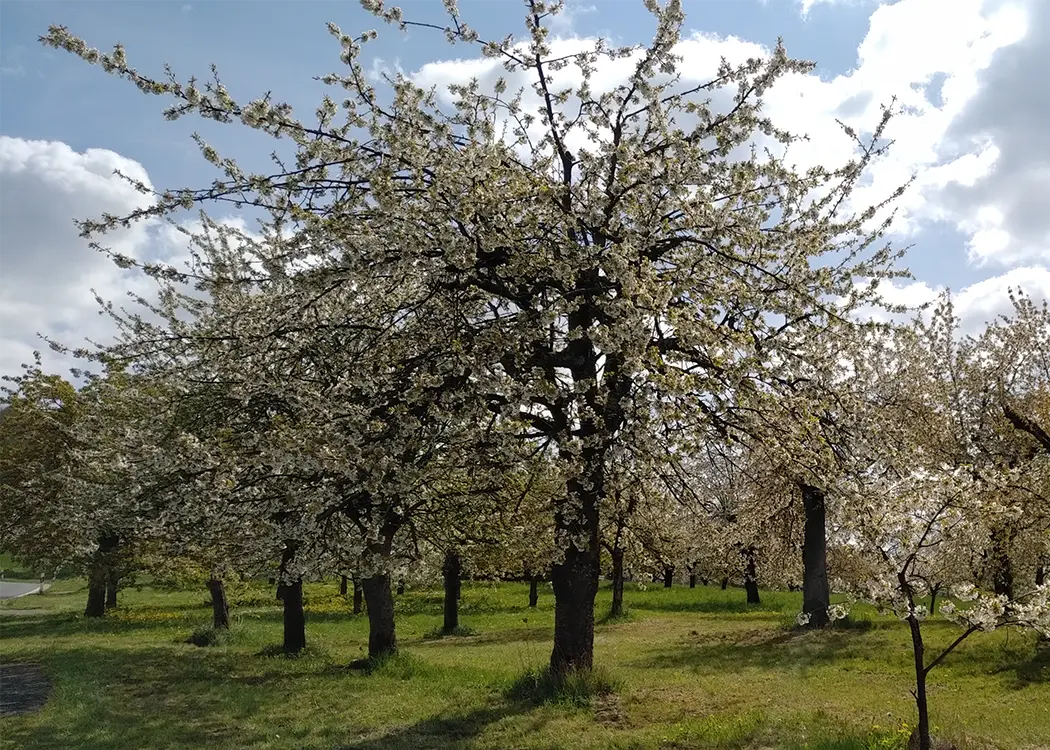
[23, 689]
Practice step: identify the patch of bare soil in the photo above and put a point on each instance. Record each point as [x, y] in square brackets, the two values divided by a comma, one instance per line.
[24, 688]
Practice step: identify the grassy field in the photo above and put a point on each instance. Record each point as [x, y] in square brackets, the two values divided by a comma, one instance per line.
[695, 669]
[13, 571]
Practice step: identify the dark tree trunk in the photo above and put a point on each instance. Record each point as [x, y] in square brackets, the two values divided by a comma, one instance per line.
[703, 581]
[96, 602]
[751, 577]
[617, 582]
[575, 578]
[342, 585]
[452, 571]
[112, 583]
[816, 596]
[534, 591]
[1002, 566]
[400, 586]
[294, 616]
[725, 583]
[220, 607]
[1040, 575]
[692, 580]
[934, 590]
[382, 640]
[359, 598]
[922, 731]
[99, 575]
[668, 576]
[290, 592]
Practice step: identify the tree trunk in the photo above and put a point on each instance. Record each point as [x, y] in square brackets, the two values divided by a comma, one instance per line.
[291, 595]
[112, 583]
[692, 580]
[294, 616]
[452, 571]
[359, 598]
[575, 578]
[1040, 575]
[220, 607]
[617, 582]
[99, 575]
[1002, 566]
[342, 585]
[534, 591]
[934, 590]
[725, 583]
[96, 602]
[816, 596]
[668, 576]
[922, 731]
[400, 586]
[751, 577]
[382, 640]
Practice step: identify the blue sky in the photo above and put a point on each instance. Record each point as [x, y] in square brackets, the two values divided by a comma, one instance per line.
[60, 119]
[261, 45]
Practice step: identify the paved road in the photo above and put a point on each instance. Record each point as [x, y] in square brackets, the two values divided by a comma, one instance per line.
[9, 590]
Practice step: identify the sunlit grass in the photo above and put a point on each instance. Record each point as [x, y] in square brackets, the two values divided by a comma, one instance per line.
[685, 669]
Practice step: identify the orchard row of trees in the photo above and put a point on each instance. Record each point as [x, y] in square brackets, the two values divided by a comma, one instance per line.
[554, 331]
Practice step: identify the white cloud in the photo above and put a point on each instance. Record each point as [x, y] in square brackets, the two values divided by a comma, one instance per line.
[929, 55]
[1003, 209]
[967, 77]
[986, 300]
[565, 20]
[47, 271]
[978, 303]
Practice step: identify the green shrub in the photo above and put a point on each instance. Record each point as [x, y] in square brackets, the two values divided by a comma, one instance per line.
[206, 635]
[576, 688]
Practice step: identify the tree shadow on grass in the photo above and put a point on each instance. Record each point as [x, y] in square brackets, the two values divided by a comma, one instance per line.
[709, 606]
[1034, 671]
[478, 602]
[51, 625]
[452, 730]
[762, 649]
[164, 696]
[504, 635]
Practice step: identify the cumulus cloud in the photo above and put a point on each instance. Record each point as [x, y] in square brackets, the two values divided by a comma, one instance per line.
[976, 304]
[933, 58]
[573, 9]
[971, 114]
[48, 271]
[1004, 208]
[966, 74]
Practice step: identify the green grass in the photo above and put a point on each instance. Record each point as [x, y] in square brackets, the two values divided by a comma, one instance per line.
[15, 571]
[687, 668]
